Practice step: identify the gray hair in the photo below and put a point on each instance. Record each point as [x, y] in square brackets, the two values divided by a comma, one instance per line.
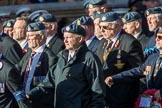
[44, 32]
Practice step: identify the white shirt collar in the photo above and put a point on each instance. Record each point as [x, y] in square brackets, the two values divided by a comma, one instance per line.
[49, 38]
[136, 36]
[90, 40]
[23, 43]
[115, 39]
[40, 49]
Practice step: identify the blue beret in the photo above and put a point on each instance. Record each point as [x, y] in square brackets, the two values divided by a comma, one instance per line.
[159, 30]
[109, 17]
[35, 15]
[84, 20]
[85, 3]
[22, 10]
[97, 15]
[74, 28]
[131, 16]
[154, 10]
[36, 26]
[47, 18]
[9, 23]
[96, 3]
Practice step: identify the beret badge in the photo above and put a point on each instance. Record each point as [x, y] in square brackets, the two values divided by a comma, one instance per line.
[147, 12]
[41, 19]
[124, 20]
[8, 24]
[78, 22]
[67, 28]
[90, 6]
[103, 18]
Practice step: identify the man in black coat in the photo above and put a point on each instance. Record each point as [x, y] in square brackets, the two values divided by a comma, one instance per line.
[11, 94]
[53, 41]
[77, 77]
[11, 49]
[91, 40]
[119, 51]
[151, 68]
[36, 63]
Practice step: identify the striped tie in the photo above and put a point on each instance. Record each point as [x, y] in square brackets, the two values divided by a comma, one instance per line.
[28, 67]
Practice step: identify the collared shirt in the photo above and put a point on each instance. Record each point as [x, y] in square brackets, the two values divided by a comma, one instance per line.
[71, 55]
[49, 38]
[115, 39]
[137, 35]
[23, 43]
[90, 40]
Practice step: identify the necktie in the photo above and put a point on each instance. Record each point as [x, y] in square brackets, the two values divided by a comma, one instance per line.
[107, 50]
[28, 67]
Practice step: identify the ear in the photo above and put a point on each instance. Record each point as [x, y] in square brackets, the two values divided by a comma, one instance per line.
[137, 24]
[81, 39]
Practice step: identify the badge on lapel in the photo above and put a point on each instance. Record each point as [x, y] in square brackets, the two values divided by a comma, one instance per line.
[39, 63]
[2, 87]
[119, 63]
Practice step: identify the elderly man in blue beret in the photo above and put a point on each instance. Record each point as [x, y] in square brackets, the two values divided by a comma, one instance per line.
[97, 6]
[8, 27]
[77, 77]
[119, 51]
[36, 63]
[91, 40]
[152, 70]
[154, 20]
[133, 25]
[53, 41]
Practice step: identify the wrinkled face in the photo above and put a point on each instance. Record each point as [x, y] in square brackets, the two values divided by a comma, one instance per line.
[109, 30]
[33, 39]
[71, 41]
[19, 30]
[152, 22]
[130, 27]
[97, 30]
[8, 31]
[159, 41]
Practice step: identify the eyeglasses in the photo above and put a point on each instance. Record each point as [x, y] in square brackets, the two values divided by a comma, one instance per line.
[106, 27]
[159, 37]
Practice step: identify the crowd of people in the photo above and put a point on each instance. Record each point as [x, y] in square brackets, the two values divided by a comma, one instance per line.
[104, 60]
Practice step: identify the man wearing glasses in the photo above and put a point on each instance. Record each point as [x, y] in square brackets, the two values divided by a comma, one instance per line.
[151, 69]
[125, 52]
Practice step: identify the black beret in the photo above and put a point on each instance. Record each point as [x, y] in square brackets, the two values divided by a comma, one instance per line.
[74, 28]
[96, 3]
[9, 23]
[154, 10]
[84, 20]
[109, 17]
[131, 16]
[22, 10]
[47, 18]
[36, 26]
[35, 15]
[97, 15]
[159, 30]
[85, 3]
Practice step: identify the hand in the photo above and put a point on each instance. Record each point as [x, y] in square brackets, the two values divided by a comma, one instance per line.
[157, 95]
[109, 81]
